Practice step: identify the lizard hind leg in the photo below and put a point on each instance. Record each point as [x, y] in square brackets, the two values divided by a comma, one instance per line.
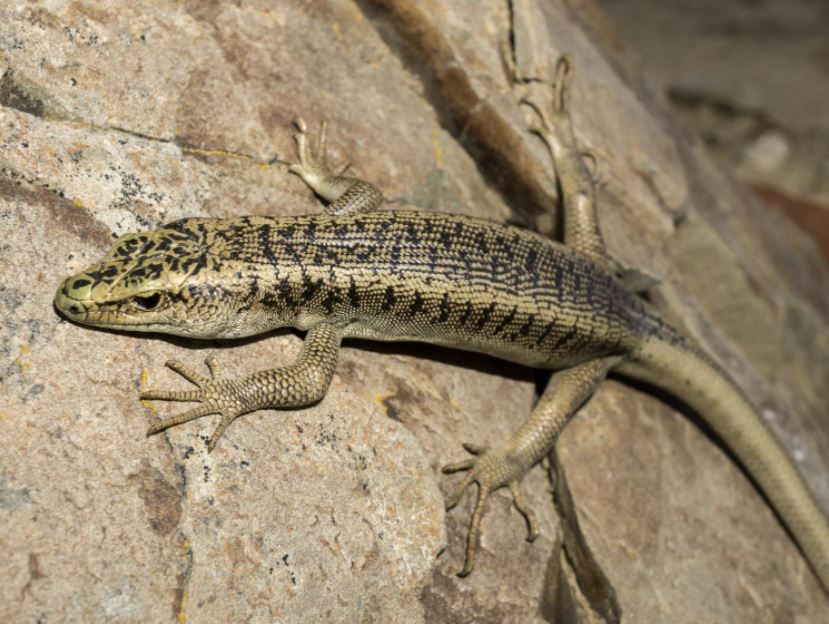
[576, 179]
[506, 465]
[347, 195]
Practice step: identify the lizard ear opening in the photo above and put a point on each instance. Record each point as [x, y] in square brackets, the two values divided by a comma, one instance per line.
[147, 302]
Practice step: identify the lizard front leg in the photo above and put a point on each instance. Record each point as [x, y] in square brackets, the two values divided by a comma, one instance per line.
[347, 195]
[506, 465]
[301, 383]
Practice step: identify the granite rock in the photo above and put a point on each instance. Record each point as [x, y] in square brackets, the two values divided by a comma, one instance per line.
[119, 118]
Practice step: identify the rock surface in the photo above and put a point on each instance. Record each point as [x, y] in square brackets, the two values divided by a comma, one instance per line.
[119, 118]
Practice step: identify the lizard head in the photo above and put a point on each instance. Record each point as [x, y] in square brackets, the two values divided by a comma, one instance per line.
[179, 279]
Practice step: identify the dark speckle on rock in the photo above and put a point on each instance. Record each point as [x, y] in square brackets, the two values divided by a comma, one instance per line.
[35, 390]
[18, 94]
[12, 497]
[390, 408]
[162, 500]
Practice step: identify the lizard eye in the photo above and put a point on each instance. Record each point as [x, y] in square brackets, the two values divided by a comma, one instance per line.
[147, 302]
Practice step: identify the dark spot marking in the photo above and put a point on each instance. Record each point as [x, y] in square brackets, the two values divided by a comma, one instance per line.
[353, 295]
[565, 338]
[310, 288]
[545, 332]
[332, 298]
[444, 308]
[483, 246]
[417, 304]
[494, 264]
[531, 258]
[411, 231]
[485, 315]
[154, 270]
[506, 320]
[264, 234]
[433, 261]
[285, 291]
[466, 313]
[388, 299]
[525, 328]
[446, 239]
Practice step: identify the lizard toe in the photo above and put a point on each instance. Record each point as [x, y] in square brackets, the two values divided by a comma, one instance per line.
[491, 470]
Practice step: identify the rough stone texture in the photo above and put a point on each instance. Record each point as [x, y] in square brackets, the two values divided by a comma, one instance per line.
[121, 117]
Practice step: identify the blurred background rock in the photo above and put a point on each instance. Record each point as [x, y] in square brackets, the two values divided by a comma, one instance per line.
[751, 78]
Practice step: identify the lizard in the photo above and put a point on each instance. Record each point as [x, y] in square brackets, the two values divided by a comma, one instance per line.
[357, 271]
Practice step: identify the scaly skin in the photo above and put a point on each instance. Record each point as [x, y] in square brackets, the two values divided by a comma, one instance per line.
[355, 271]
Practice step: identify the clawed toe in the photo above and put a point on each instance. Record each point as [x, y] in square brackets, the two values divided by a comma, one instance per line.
[525, 510]
[466, 464]
[300, 125]
[191, 414]
[453, 499]
[561, 84]
[185, 371]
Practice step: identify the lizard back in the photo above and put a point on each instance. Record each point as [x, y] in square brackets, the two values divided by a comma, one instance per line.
[415, 275]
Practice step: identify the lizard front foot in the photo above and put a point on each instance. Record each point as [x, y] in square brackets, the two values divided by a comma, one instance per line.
[490, 469]
[347, 195]
[217, 395]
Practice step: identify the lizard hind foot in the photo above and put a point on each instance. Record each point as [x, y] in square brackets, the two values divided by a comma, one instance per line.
[554, 118]
[490, 469]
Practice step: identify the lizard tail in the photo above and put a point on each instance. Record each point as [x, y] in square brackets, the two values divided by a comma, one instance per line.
[691, 376]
